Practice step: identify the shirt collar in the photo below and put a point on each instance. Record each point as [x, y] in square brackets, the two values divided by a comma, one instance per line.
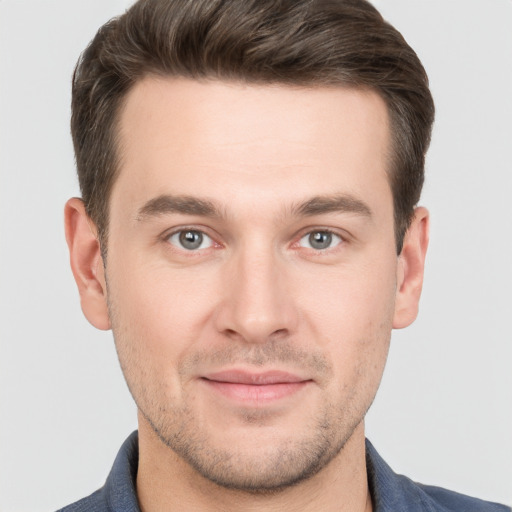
[390, 492]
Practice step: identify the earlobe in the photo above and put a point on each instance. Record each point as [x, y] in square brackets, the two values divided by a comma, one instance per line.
[86, 263]
[411, 264]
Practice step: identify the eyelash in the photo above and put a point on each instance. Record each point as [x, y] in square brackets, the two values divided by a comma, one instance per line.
[214, 244]
[331, 233]
[190, 229]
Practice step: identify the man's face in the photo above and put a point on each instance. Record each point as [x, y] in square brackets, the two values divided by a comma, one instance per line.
[251, 271]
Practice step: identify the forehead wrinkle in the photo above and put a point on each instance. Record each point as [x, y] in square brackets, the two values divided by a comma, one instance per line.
[185, 205]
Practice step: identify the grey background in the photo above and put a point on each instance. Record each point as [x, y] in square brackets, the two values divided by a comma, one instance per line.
[444, 412]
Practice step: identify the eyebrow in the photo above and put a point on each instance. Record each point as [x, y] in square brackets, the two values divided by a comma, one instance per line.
[341, 203]
[189, 205]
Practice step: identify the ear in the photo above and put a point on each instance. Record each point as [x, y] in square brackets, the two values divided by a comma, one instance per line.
[411, 264]
[86, 263]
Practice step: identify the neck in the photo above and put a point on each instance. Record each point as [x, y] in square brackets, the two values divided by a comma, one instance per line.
[166, 482]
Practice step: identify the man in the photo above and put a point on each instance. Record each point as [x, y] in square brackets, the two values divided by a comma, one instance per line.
[248, 229]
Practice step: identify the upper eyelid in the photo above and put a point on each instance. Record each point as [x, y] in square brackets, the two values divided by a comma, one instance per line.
[346, 239]
[331, 232]
[205, 238]
[167, 234]
[205, 230]
[178, 229]
[343, 234]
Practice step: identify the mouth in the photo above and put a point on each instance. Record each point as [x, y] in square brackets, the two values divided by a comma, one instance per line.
[255, 388]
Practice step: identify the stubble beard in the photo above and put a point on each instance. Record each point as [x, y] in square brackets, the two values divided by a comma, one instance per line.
[268, 469]
[261, 472]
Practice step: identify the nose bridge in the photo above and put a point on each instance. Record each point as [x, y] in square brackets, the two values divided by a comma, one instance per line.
[257, 305]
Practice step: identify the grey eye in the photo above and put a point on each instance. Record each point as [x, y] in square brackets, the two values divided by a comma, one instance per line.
[191, 240]
[319, 240]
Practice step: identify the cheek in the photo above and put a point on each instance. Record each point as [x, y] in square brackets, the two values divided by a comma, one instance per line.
[155, 325]
[347, 303]
[159, 316]
[350, 314]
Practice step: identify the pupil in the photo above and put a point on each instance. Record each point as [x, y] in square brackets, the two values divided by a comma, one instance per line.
[191, 239]
[320, 240]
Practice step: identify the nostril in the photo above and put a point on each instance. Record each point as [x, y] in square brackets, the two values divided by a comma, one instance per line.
[232, 334]
[279, 333]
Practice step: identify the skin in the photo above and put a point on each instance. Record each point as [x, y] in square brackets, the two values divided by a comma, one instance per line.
[257, 171]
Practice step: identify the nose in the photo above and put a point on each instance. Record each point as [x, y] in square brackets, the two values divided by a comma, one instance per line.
[257, 304]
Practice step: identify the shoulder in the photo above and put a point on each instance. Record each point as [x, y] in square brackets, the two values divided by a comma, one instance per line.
[451, 501]
[94, 503]
[392, 492]
[118, 494]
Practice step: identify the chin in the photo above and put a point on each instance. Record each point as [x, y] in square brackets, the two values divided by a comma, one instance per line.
[259, 459]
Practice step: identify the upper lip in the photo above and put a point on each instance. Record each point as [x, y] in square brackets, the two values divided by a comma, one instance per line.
[254, 378]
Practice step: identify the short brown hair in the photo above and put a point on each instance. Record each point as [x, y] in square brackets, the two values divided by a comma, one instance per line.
[299, 42]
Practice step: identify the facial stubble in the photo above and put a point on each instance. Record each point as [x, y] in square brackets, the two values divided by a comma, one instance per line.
[270, 469]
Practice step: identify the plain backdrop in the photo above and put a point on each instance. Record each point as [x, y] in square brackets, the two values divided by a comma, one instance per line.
[443, 414]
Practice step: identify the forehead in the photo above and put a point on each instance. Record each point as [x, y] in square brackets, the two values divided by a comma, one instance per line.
[187, 137]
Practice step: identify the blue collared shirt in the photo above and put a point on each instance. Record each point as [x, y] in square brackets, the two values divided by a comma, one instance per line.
[390, 492]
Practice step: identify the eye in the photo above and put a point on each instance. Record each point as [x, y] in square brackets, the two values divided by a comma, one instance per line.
[320, 240]
[190, 240]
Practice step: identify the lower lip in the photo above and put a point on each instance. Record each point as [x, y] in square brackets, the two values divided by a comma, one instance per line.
[250, 393]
